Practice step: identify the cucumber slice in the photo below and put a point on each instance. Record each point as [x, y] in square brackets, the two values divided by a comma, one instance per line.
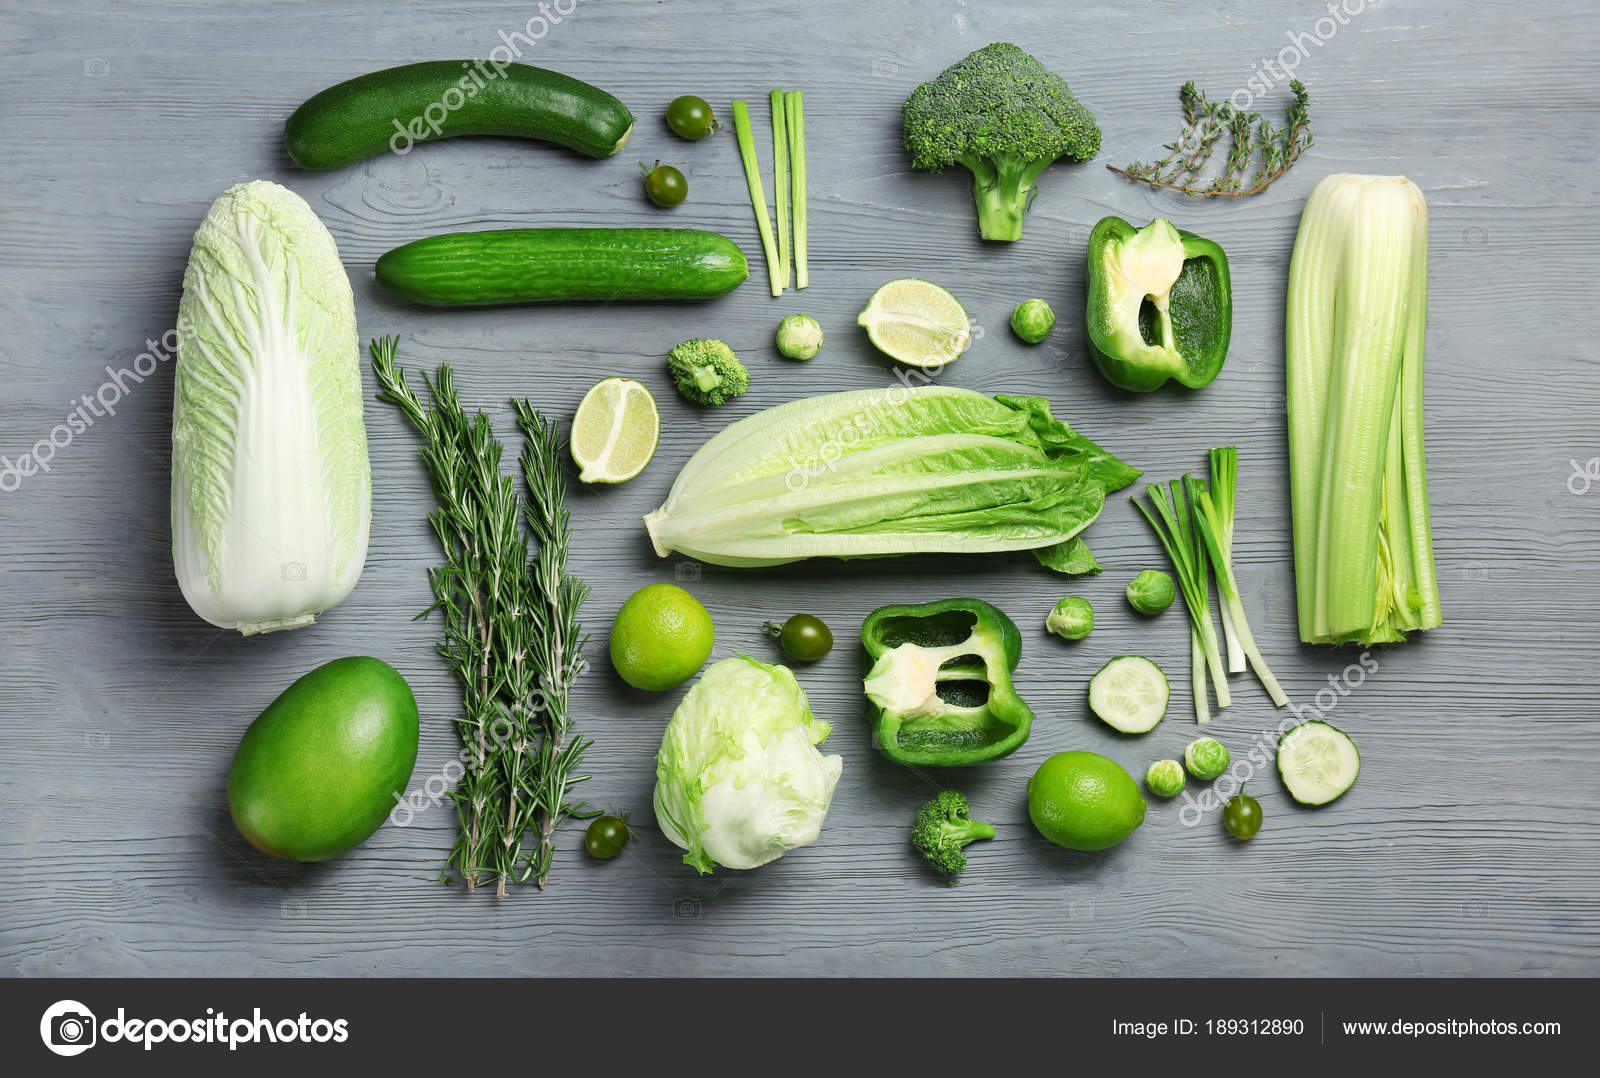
[1317, 762]
[1129, 694]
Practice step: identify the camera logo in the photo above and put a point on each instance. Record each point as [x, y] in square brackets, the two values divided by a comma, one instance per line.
[68, 1028]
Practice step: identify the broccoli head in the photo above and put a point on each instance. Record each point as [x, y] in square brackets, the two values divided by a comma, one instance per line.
[1005, 118]
[943, 828]
[707, 372]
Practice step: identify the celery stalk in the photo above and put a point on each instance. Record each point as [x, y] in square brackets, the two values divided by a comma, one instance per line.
[780, 183]
[758, 194]
[1355, 324]
[1414, 458]
[794, 105]
[1309, 358]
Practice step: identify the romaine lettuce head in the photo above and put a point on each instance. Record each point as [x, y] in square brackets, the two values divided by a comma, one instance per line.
[739, 780]
[874, 472]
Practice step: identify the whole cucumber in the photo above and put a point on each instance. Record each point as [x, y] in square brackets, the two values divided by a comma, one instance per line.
[535, 265]
[398, 107]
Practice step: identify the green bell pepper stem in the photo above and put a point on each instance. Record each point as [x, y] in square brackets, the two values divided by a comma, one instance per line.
[940, 683]
[1160, 305]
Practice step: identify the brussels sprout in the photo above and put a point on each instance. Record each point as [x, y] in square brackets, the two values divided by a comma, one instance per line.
[799, 336]
[1206, 758]
[1071, 619]
[1165, 778]
[1151, 592]
[1032, 320]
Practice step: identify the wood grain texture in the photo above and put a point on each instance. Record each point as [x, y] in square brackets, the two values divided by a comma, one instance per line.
[1469, 845]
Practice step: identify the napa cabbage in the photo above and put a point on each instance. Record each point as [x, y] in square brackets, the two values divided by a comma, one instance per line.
[271, 486]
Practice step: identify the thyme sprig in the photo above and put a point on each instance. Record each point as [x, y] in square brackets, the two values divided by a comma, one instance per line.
[510, 628]
[1258, 151]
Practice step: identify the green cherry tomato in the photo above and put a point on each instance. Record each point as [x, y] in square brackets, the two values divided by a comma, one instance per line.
[690, 117]
[1242, 815]
[802, 637]
[664, 184]
[606, 837]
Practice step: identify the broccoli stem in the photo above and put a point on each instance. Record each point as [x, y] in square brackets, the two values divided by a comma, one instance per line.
[966, 831]
[1002, 188]
[758, 194]
[706, 378]
[999, 208]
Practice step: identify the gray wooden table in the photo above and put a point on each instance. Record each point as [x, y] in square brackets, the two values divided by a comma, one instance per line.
[1468, 845]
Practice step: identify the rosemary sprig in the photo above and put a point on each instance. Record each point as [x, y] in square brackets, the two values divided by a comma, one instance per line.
[558, 640]
[1258, 151]
[510, 624]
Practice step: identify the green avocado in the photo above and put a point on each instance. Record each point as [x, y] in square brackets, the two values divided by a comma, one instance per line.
[317, 772]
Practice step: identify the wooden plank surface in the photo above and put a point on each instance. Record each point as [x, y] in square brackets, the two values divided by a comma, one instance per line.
[1467, 847]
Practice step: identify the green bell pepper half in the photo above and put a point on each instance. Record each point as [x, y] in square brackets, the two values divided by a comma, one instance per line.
[940, 683]
[1160, 305]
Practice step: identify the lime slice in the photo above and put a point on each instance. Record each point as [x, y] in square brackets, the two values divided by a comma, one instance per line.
[615, 430]
[917, 323]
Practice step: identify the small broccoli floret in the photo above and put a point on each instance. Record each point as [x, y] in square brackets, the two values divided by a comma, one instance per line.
[943, 828]
[707, 372]
[1004, 117]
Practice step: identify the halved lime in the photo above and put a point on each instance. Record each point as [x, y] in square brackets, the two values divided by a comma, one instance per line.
[917, 323]
[615, 431]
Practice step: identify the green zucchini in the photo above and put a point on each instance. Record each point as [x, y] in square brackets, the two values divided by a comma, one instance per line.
[398, 107]
[535, 265]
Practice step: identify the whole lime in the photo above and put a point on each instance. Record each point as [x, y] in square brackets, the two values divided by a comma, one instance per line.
[661, 637]
[1083, 801]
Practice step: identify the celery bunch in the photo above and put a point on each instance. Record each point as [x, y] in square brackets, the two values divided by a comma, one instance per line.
[1357, 312]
